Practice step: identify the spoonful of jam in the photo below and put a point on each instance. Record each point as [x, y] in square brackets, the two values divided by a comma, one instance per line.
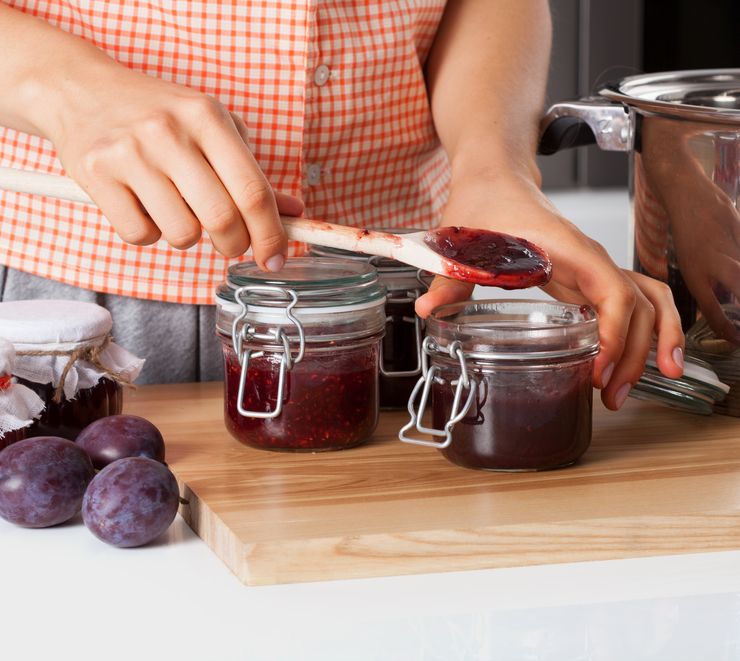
[472, 255]
[490, 258]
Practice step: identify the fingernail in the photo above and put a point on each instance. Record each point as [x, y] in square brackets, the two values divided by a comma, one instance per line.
[606, 375]
[621, 396]
[275, 263]
[678, 356]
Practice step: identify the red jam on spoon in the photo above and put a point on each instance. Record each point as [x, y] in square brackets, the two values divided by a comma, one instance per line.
[490, 258]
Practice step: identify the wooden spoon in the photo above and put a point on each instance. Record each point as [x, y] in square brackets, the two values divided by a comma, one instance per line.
[471, 255]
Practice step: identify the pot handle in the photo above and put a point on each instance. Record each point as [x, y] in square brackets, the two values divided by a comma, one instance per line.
[586, 121]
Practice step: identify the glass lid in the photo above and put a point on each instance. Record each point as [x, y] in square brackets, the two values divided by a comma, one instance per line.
[517, 329]
[704, 94]
[696, 391]
[318, 282]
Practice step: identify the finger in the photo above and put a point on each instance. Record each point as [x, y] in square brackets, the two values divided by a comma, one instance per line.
[670, 347]
[289, 205]
[239, 172]
[211, 203]
[563, 293]
[124, 212]
[441, 292]
[164, 204]
[241, 129]
[631, 363]
[614, 298]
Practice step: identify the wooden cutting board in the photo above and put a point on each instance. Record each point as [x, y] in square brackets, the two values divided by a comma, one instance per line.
[654, 482]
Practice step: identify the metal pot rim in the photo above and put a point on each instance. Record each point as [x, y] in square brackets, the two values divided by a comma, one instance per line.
[688, 94]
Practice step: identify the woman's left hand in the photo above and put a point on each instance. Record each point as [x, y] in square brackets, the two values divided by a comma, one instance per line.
[631, 307]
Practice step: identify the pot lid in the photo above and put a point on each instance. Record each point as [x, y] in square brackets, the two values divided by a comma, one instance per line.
[702, 94]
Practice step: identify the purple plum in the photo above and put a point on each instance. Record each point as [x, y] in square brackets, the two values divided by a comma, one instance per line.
[117, 436]
[42, 481]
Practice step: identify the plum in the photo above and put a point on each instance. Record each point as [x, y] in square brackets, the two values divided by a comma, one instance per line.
[42, 481]
[131, 502]
[117, 436]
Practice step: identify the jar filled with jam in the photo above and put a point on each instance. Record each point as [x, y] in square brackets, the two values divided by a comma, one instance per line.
[400, 358]
[64, 353]
[510, 384]
[19, 406]
[301, 351]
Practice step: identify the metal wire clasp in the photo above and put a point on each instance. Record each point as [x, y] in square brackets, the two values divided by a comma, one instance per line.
[424, 384]
[248, 333]
[411, 296]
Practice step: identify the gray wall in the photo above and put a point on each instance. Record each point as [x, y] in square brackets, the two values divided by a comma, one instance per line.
[593, 41]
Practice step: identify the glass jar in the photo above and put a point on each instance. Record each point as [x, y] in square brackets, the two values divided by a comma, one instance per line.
[301, 351]
[19, 406]
[10, 437]
[68, 417]
[510, 384]
[400, 358]
[64, 353]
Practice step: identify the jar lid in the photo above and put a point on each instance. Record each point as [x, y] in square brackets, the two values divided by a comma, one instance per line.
[19, 405]
[321, 285]
[35, 322]
[7, 357]
[65, 342]
[516, 330]
[697, 391]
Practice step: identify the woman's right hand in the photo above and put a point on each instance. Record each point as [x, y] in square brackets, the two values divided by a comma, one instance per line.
[163, 160]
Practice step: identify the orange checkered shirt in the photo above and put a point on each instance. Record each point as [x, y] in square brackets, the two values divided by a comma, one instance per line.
[333, 94]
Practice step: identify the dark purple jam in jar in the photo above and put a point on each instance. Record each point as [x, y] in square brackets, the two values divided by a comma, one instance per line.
[70, 416]
[400, 360]
[320, 323]
[401, 346]
[10, 437]
[533, 420]
[524, 372]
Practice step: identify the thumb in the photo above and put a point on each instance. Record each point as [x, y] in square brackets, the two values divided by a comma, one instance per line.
[441, 292]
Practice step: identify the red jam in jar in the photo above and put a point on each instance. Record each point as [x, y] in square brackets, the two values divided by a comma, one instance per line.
[330, 400]
[400, 358]
[510, 384]
[309, 337]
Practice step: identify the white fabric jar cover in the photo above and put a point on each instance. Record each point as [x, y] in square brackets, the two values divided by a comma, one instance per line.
[67, 340]
[19, 406]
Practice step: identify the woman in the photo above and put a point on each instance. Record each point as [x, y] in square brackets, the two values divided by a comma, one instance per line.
[220, 116]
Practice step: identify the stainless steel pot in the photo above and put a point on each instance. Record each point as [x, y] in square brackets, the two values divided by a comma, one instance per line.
[682, 130]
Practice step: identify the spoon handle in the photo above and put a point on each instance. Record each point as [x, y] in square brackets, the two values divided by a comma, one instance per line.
[297, 229]
[39, 183]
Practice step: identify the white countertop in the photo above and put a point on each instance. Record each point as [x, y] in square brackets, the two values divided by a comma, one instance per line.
[65, 595]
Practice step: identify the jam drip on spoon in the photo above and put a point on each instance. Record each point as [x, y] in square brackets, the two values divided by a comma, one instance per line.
[490, 258]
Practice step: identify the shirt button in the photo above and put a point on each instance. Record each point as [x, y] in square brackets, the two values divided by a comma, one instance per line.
[313, 174]
[321, 75]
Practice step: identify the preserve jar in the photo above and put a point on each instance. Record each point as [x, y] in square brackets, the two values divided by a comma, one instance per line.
[301, 350]
[400, 358]
[510, 384]
[19, 406]
[64, 353]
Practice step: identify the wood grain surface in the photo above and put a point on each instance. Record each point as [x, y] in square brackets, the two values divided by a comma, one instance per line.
[654, 482]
